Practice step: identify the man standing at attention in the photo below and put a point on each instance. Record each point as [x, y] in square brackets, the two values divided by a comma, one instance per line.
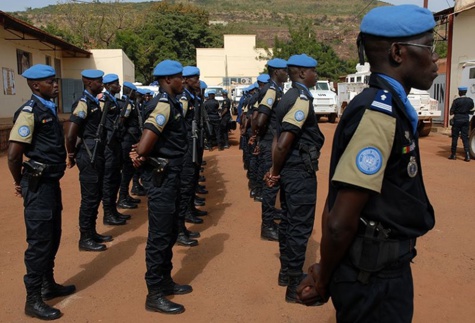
[377, 205]
[38, 135]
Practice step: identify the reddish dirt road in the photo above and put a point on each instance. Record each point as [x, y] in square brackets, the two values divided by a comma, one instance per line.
[232, 271]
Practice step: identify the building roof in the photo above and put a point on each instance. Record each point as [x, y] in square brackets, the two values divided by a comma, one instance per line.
[22, 31]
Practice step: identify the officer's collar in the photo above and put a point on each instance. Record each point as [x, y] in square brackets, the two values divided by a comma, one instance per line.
[90, 96]
[303, 87]
[49, 105]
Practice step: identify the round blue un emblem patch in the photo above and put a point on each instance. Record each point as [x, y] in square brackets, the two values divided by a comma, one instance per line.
[270, 101]
[299, 115]
[82, 114]
[369, 160]
[160, 119]
[24, 131]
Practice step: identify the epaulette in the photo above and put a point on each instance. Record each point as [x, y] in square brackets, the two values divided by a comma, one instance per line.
[163, 98]
[183, 98]
[28, 106]
[382, 102]
[272, 87]
[83, 99]
[303, 96]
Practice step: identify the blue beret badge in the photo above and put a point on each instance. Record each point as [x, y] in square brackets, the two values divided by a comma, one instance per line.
[299, 115]
[160, 119]
[82, 114]
[369, 160]
[24, 131]
[270, 101]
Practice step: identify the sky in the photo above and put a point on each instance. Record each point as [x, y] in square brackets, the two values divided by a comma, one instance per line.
[20, 5]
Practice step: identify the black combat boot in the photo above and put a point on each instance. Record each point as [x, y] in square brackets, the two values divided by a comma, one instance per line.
[124, 203]
[270, 232]
[138, 189]
[283, 279]
[191, 218]
[192, 234]
[452, 156]
[157, 302]
[110, 218]
[87, 242]
[467, 156]
[198, 212]
[133, 200]
[101, 238]
[36, 307]
[291, 293]
[50, 289]
[122, 216]
[185, 241]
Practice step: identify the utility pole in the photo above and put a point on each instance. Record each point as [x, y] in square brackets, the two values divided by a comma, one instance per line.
[426, 3]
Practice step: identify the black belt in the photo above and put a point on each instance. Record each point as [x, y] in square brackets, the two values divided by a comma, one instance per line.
[51, 168]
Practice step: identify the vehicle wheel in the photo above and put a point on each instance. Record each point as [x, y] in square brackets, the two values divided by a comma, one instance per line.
[332, 118]
[471, 143]
[424, 128]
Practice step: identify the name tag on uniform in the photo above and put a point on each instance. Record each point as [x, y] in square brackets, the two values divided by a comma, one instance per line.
[46, 120]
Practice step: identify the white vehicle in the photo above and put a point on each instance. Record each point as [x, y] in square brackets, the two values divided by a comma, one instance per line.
[468, 80]
[425, 106]
[325, 101]
[236, 95]
[151, 88]
[219, 92]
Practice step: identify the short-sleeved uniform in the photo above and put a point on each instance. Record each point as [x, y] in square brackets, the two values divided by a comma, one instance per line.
[39, 129]
[87, 115]
[269, 97]
[164, 118]
[130, 135]
[376, 149]
[112, 151]
[462, 107]
[188, 175]
[298, 182]
[212, 108]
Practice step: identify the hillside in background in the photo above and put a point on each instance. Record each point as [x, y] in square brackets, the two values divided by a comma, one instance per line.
[335, 22]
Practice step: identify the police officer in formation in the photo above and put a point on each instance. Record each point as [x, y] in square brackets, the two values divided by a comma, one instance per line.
[294, 165]
[225, 119]
[112, 151]
[461, 109]
[87, 124]
[254, 177]
[38, 135]
[377, 205]
[212, 109]
[268, 99]
[161, 150]
[130, 134]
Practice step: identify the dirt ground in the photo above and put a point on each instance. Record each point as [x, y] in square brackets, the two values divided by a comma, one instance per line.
[234, 272]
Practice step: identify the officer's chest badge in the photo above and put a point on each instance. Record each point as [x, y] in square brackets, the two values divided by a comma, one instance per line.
[412, 167]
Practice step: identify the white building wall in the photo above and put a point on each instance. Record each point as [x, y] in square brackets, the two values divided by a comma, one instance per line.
[463, 49]
[238, 59]
[107, 60]
[8, 60]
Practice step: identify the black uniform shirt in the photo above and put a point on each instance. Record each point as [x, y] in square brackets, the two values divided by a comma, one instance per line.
[212, 107]
[461, 108]
[269, 97]
[226, 105]
[87, 114]
[188, 104]
[164, 118]
[294, 113]
[375, 149]
[39, 127]
[113, 112]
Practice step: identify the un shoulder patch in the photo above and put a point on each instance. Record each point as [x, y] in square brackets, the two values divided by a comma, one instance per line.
[299, 115]
[24, 131]
[160, 119]
[270, 101]
[82, 114]
[369, 160]
[382, 102]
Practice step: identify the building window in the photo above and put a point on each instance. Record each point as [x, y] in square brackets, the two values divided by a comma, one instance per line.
[48, 60]
[23, 60]
[472, 73]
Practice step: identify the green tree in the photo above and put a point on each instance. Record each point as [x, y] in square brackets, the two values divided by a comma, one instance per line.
[303, 39]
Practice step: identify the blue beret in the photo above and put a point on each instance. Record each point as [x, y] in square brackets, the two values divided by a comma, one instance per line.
[463, 88]
[203, 85]
[211, 92]
[191, 71]
[109, 78]
[39, 71]
[225, 91]
[92, 74]
[206, 95]
[143, 91]
[130, 86]
[302, 60]
[167, 68]
[397, 21]
[152, 93]
[277, 63]
[263, 78]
